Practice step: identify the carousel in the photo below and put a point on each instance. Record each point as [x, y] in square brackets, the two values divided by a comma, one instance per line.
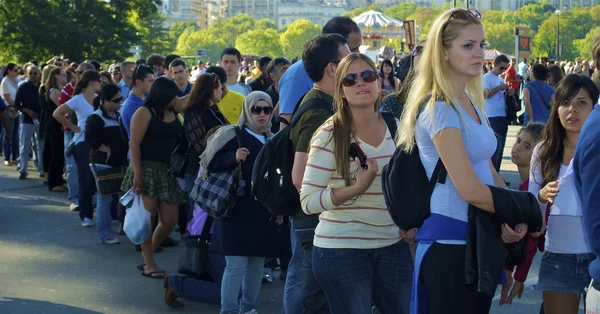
[376, 28]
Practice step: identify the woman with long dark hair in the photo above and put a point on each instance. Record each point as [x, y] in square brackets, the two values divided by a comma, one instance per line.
[109, 149]
[563, 275]
[83, 104]
[154, 129]
[389, 83]
[53, 157]
[9, 86]
[555, 75]
[394, 103]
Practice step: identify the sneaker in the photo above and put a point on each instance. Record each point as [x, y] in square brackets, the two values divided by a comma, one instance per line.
[74, 208]
[111, 240]
[267, 276]
[23, 176]
[87, 222]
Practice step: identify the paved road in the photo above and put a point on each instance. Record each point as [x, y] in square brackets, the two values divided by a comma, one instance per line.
[50, 264]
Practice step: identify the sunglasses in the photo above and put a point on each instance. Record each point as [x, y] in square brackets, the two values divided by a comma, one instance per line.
[462, 14]
[58, 64]
[368, 76]
[116, 100]
[258, 109]
[115, 73]
[418, 50]
[502, 68]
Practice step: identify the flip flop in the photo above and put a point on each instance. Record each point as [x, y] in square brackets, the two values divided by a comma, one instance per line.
[155, 274]
[140, 267]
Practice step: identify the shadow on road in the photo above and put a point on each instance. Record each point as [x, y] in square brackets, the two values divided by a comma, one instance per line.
[18, 305]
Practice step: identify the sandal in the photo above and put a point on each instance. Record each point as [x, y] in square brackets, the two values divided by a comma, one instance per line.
[140, 267]
[159, 274]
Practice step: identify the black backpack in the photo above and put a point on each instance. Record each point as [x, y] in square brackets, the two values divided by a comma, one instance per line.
[272, 184]
[406, 188]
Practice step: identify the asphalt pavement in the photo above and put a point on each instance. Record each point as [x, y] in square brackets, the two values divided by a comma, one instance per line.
[50, 264]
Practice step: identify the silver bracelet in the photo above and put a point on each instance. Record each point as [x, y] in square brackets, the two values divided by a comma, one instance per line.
[342, 204]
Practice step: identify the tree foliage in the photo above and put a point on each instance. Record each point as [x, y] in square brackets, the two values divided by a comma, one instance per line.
[260, 43]
[401, 11]
[353, 13]
[296, 35]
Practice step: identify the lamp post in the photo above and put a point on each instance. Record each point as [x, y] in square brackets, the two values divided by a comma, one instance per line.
[557, 35]
[402, 45]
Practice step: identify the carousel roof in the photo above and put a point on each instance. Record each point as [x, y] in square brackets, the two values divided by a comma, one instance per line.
[373, 21]
[491, 54]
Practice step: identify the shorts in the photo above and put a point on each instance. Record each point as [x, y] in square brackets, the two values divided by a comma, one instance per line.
[564, 273]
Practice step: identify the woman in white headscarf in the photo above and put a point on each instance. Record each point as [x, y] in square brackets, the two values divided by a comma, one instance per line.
[251, 234]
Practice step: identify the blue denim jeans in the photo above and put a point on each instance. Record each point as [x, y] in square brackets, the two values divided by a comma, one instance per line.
[104, 204]
[72, 173]
[87, 186]
[245, 272]
[293, 300]
[11, 149]
[28, 135]
[354, 279]
[500, 127]
[200, 290]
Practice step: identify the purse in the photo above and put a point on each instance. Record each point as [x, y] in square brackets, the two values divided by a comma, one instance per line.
[217, 193]
[194, 258]
[178, 160]
[109, 180]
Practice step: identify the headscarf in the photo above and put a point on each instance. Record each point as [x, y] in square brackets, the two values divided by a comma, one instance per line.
[226, 133]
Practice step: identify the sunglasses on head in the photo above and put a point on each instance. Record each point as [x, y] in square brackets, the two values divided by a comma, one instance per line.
[462, 14]
[418, 50]
[258, 109]
[368, 76]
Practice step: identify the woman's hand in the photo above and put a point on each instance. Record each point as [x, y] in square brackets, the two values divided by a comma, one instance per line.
[549, 192]
[408, 236]
[138, 184]
[538, 234]
[241, 154]
[76, 129]
[511, 236]
[364, 177]
[506, 288]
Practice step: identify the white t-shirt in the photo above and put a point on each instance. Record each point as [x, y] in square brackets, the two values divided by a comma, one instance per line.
[240, 88]
[495, 106]
[9, 87]
[480, 144]
[83, 109]
[565, 233]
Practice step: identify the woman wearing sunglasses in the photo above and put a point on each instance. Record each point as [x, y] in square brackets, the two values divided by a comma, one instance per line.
[394, 103]
[359, 258]
[108, 149]
[452, 126]
[251, 234]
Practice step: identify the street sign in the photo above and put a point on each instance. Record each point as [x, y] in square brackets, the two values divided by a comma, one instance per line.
[202, 52]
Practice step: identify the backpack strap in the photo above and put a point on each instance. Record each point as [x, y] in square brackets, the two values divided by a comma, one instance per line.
[390, 120]
[315, 103]
[238, 135]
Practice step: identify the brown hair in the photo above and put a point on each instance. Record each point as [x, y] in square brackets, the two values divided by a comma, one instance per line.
[107, 75]
[202, 92]
[51, 82]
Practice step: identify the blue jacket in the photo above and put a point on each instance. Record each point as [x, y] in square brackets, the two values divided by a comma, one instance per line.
[587, 182]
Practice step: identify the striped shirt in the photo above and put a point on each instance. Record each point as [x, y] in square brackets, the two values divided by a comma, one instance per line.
[364, 224]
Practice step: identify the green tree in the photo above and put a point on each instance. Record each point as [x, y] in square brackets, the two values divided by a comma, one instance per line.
[191, 41]
[424, 17]
[584, 46]
[260, 43]
[353, 13]
[178, 28]
[574, 24]
[374, 7]
[401, 11]
[229, 29]
[533, 14]
[265, 24]
[293, 39]
[500, 36]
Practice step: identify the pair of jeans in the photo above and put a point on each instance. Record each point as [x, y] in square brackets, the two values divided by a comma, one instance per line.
[443, 278]
[11, 149]
[104, 204]
[355, 279]
[53, 157]
[500, 127]
[72, 173]
[314, 298]
[293, 300]
[28, 137]
[87, 186]
[245, 272]
[201, 290]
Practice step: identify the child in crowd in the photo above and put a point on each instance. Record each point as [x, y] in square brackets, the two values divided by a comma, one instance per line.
[521, 152]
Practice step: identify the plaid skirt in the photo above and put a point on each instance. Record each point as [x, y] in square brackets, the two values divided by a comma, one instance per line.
[158, 183]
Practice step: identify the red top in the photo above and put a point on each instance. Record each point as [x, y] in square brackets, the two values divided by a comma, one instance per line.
[65, 95]
[513, 82]
[520, 274]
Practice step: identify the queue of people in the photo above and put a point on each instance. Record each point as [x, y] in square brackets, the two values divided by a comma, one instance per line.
[342, 251]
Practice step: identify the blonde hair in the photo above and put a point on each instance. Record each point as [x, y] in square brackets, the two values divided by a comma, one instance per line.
[435, 78]
[343, 124]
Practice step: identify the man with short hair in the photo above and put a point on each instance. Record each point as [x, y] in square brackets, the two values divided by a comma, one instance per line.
[157, 62]
[230, 61]
[275, 70]
[127, 69]
[143, 77]
[495, 105]
[231, 102]
[27, 101]
[169, 59]
[296, 82]
[320, 59]
[199, 71]
[179, 74]
[263, 81]
[523, 68]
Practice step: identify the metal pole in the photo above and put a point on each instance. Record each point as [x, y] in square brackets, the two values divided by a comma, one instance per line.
[557, 36]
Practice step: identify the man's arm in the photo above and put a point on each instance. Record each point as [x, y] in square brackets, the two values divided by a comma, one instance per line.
[487, 93]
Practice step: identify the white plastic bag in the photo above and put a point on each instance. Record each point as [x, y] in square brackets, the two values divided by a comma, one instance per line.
[138, 221]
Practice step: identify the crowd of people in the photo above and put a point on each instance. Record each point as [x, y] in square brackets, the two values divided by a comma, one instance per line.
[342, 252]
